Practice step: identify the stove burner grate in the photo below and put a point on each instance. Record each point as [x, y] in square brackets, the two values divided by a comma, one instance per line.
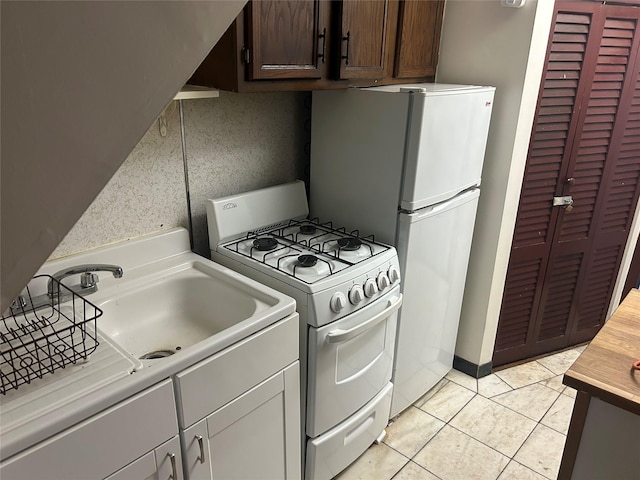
[308, 229]
[264, 244]
[307, 260]
[349, 243]
[277, 240]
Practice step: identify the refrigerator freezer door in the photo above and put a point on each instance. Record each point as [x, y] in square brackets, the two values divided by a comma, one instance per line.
[433, 247]
[445, 145]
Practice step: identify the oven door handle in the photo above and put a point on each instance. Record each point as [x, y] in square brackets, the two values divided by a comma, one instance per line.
[340, 335]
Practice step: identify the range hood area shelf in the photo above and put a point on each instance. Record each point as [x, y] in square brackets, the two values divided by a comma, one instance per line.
[193, 92]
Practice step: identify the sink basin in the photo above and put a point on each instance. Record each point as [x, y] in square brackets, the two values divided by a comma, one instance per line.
[158, 315]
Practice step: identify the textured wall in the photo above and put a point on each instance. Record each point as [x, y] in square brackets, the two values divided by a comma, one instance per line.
[241, 142]
[234, 143]
[146, 194]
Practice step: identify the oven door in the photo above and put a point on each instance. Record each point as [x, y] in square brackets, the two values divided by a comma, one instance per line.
[350, 361]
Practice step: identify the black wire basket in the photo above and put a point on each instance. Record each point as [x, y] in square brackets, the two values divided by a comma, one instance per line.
[39, 335]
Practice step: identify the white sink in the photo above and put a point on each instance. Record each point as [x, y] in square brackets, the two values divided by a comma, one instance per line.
[157, 315]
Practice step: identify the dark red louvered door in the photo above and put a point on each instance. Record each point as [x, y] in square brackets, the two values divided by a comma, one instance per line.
[585, 145]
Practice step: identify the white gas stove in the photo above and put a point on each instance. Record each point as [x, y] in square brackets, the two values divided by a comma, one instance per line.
[343, 271]
[347, 291]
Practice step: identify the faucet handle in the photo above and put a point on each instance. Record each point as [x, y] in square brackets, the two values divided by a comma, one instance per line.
[18, 304]
[88, 280]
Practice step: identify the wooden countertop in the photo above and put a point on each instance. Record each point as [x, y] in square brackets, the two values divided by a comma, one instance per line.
[604, 369]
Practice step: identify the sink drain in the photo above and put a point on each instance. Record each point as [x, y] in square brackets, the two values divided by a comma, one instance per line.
[157, 354]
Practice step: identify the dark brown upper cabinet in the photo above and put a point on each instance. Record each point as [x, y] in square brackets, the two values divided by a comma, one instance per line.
[363, 32]
[418, 38]
[286, 39]
[315, 45]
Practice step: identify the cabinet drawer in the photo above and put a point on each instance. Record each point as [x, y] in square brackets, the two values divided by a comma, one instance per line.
[103, 443]
[212, 383]
[333, 451]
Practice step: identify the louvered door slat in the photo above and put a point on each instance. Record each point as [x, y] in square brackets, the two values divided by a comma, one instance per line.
[587, 169]
[549, 139]
[594, 298]
[518, 301]
[623, 189]
[561, 286]
[546, 153]
[562, 75]
[586, 143]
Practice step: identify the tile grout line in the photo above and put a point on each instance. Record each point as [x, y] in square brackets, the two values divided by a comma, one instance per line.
[538, 422]
[419, 466]
[445, 381]
[520, 413]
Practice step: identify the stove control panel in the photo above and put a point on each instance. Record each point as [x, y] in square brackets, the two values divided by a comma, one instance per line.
[357, 293]
[370, 287]
[383, 281]
[394, 274]
[338, 302]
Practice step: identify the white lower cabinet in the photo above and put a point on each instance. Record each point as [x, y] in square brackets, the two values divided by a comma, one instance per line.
[139, 433]
[239, 410]
[256, 436]
[238, 413]
[163, 463]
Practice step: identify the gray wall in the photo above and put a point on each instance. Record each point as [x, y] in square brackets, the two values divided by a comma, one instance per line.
[234, 143]
[81, 81]
[485, 43]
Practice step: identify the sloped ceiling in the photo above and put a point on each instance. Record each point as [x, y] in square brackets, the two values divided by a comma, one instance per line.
[81, 82]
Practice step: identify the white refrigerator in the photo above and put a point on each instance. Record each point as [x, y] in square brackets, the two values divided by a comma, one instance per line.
[404, 162]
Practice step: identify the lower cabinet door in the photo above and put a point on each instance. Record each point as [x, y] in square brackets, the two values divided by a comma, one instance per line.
[163, 463]
[104, 443]
[256, 436]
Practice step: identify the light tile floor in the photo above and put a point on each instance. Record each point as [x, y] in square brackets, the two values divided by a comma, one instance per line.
[510, 425]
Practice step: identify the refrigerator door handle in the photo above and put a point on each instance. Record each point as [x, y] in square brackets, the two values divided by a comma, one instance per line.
[450, 204]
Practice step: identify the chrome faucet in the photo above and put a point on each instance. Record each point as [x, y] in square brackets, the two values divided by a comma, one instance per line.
[88, 280]
[54, 295]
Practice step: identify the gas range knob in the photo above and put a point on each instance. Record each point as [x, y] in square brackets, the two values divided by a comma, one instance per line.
[394, 274]
[338, 302]
[370, 287]
[383, 281]
[356, 294]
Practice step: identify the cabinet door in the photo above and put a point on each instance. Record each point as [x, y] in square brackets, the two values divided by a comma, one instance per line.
[164, 463]
[103, 443]
[362, 45]
[418, 41]
[286, 39]
[256, 436]
[585, 145]
[195, 451]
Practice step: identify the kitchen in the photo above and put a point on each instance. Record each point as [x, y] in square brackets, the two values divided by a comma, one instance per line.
[147, 193]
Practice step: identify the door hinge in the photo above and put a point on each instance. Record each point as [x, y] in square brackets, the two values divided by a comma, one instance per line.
[244, 55]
